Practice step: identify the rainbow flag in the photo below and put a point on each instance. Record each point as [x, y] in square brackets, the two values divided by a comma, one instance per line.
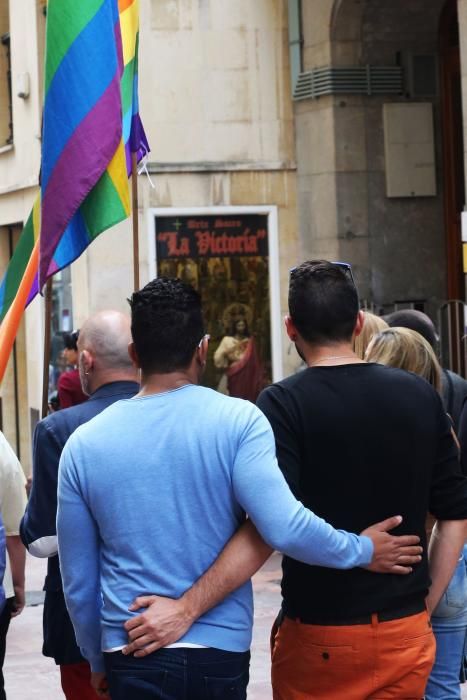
[134, 137]
[78, 202]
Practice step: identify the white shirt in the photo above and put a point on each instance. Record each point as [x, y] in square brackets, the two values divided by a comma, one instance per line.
[12, 500]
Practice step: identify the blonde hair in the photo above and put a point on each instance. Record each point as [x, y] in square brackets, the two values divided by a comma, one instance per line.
[372, 325]
[406, 349]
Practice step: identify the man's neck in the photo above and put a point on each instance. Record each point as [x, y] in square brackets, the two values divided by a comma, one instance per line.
[329, 355]
[161, 383]
[100, 379]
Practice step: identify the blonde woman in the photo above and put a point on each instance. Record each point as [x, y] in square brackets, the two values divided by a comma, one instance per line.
[373, 324]
[407, 349]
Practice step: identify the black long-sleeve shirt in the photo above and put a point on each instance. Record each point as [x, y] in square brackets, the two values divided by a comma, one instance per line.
[359, 443]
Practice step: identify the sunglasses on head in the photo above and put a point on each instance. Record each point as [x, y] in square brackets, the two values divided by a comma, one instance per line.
[346, 268]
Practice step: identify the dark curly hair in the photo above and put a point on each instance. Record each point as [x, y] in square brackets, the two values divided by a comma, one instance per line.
[166, 324]
[323, 301]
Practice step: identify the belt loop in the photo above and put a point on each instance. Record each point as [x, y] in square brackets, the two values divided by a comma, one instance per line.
[374, 620]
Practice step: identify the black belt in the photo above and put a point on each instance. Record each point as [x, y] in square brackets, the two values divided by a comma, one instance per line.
[383, 616]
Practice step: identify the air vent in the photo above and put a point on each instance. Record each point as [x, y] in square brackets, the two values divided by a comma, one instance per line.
[352, 80]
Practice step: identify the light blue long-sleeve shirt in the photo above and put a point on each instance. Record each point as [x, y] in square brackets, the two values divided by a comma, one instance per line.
[149, 493]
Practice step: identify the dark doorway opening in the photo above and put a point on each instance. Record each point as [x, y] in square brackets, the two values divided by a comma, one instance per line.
[454, 185]
[453, 146]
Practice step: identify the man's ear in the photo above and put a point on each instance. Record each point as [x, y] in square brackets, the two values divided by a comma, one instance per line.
[359, 323]
[202, 350]
[290, 328]
[133, 355]
[86, 360]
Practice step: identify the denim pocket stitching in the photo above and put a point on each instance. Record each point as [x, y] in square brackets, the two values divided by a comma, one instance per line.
[143, 674]
[222, 682]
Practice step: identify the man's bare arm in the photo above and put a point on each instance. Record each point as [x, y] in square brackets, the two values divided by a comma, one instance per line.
[447, 540]
[166, 620]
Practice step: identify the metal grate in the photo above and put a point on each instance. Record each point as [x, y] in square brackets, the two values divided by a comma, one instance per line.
[353, 80]
[452, 332]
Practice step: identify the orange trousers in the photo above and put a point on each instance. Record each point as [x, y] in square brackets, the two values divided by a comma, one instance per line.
[377, 661]
[76, 682]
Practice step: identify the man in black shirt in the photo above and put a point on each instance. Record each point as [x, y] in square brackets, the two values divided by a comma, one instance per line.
[357, 442]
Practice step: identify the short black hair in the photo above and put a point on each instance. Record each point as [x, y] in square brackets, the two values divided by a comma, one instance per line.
[416, 321]
[166, 324]
[70, 340]
[323, 301]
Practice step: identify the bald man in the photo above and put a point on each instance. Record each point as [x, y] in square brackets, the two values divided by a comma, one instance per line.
[107, 375]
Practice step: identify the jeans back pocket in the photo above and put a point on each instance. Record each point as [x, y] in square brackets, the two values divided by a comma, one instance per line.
[137, 684]
[454, 599]
[226, 688]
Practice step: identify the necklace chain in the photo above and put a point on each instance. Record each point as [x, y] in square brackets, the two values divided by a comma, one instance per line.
[332, 357]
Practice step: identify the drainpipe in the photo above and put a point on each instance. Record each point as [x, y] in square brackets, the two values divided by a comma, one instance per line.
[295, 40]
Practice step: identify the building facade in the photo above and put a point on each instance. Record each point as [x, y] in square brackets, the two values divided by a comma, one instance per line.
[380, 161]
[279, 131]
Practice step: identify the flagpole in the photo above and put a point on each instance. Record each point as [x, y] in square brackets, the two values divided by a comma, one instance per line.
[134, 193]
[48, 323]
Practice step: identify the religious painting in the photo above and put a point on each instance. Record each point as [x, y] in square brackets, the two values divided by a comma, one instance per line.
[225, 257]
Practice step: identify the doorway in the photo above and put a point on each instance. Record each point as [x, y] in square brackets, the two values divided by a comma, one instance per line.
[14, 411]
[453, 146]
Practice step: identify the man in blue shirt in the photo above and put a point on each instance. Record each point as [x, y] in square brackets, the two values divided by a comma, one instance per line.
[150, 492]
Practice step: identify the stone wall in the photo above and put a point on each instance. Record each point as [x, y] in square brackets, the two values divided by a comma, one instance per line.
[20, 163]
[214, 80]
[343, 208]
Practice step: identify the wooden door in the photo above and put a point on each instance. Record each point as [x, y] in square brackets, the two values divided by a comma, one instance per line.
[453, 147]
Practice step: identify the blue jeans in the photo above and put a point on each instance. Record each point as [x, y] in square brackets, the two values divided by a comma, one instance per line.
[172, 674]
[449, 622]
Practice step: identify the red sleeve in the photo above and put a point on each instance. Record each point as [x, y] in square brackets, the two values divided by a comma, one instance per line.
[69, 389]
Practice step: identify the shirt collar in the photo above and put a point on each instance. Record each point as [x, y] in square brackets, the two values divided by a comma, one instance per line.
[113, 388]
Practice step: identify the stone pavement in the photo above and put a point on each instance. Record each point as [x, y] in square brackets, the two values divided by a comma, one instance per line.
[30, 676]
